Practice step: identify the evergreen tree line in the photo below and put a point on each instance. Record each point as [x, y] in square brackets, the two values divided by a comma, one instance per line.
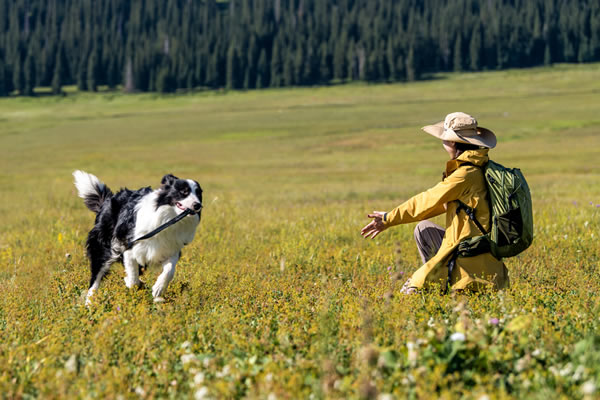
[165, 45]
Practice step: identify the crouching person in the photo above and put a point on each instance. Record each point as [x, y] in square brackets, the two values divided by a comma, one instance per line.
[463, 188]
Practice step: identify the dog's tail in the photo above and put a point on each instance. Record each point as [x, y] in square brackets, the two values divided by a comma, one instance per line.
[93, 192]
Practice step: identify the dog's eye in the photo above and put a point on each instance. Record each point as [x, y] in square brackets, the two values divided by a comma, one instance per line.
[184, 192]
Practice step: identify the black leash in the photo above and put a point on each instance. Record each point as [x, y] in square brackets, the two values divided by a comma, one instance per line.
[161, 228]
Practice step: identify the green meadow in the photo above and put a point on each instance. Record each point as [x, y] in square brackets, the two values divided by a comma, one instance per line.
[279, 296]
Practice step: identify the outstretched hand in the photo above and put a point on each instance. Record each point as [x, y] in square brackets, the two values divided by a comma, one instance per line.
[375, 227]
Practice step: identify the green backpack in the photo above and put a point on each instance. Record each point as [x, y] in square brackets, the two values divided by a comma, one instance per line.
[511, 215]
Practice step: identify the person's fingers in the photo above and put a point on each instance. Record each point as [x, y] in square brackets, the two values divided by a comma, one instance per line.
[368, 226]
[369, 232]
[373, 216]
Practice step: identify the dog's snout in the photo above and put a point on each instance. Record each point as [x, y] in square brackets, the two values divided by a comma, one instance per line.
[197, 206]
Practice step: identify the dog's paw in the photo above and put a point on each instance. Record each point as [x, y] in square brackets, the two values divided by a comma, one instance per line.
[133, 284]
[159, 299]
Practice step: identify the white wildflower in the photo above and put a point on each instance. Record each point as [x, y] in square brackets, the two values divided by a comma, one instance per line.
[140, 391]
[567, 370]
[522, 363]
[385, 396]
[188, 358]
[224, 372]
[269, 377]
[458, 337]
[431, 322]
[185, 345]
[202, 394]
[588, 388]
[271, 396]
[199, 378]
[579, 373]
[483, 397]
[71, 364]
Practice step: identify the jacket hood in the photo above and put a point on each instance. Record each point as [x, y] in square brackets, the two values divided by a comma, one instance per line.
[476, 157]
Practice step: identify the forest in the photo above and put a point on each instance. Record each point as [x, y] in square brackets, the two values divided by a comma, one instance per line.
[170, 45]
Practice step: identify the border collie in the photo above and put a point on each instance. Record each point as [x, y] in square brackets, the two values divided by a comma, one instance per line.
[128, 215]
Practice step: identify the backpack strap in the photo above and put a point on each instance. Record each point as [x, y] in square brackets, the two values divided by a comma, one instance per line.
[471, 213]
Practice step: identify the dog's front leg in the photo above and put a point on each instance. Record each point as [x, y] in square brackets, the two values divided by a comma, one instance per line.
[164, 278]
[132, 271]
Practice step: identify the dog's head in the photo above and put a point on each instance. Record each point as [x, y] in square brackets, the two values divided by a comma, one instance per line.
[183, 194]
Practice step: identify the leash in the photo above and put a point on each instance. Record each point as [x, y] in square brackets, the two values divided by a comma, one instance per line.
[161, 228]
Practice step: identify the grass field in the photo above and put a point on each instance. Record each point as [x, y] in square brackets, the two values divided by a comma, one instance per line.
[279, 296]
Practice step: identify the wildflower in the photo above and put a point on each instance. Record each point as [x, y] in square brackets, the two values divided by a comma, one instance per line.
[567, 370]
[493, 321]
[385, 396]
[579, 373]
[140, 391]
[431, 322]
[271, 396]
[588, 388]
[458, 337]
[186, 345]
[199, 378]
[187, 358]
[224, 372]
[202, 393]
[412, 352]
[71, 364]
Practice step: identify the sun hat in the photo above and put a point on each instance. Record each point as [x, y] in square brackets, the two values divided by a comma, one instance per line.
[462, 128]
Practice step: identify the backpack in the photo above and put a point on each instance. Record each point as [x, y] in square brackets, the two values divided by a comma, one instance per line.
[511, 215]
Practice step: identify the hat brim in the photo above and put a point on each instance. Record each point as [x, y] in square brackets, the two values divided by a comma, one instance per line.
[484, 137]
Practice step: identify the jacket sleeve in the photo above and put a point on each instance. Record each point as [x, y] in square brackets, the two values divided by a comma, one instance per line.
[430, 203]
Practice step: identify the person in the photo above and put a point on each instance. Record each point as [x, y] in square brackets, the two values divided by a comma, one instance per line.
[463, 183]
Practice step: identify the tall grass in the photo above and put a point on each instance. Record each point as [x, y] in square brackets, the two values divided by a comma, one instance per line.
[279, 295]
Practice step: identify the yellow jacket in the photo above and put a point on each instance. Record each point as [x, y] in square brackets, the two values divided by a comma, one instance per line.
[467, 185]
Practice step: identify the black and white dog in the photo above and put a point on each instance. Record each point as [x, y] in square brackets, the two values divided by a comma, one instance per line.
[128, 215]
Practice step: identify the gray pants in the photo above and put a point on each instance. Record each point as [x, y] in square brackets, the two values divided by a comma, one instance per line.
[429, 239]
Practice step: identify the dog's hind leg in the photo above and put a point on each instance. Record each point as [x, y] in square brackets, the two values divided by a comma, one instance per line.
[98, 272]
[132, 270]
[164, 278]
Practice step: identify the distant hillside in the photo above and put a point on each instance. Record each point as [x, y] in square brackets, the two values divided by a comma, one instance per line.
[164, 45]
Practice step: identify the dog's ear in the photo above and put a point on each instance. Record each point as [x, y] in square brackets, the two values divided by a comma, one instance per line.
[168, 180]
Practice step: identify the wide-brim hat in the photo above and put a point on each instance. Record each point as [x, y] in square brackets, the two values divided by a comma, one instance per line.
[462, 128]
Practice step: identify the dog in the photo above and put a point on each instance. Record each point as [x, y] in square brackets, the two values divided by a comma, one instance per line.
[129, 214]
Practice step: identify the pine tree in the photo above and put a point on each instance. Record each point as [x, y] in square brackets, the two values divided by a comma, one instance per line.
[324, 71]
[276, 66]
[92, 70]
[233, 68]
[18, 75]
[458, 58]
[475, 49]
[128, 82]
[262, 76]
[58, 75]
[3, 86]
[30, 75]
